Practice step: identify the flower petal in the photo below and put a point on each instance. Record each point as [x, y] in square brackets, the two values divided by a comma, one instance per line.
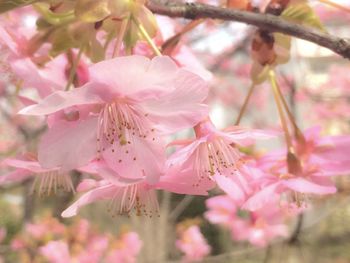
[181, 108]
[184, 182]
[305, 186]
[262, 197]
[232, 186]
[68, 145]
[136, 159]
[100, 193]
[63, 99]
[16, 176]
[133, 75]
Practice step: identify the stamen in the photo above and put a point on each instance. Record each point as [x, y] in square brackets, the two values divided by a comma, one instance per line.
[119, 124]
[52, 182]
[216, 157]
[134, 198]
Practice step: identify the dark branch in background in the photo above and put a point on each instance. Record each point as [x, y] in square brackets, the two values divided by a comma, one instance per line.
[29, 201]
[294, 239]
[271, 23]
[228, 54]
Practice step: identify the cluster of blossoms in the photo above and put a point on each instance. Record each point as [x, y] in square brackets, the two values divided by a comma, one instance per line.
[192, 243]
[79, 242]
[110, 102]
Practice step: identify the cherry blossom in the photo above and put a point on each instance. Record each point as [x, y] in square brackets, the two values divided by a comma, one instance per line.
[123, 115]
[192, 244]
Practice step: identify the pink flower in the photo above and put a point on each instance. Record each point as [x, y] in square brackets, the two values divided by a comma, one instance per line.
[213, 155]
[308, 172]
[46, 227]
[258, 227]
[124, 199]
[262, 226]
[128, 247]
[329, 155]
[47, 181]
[221, 210]
[193, 244]
[94, 250]
[123, 109]
[56, 252]
[126, 195]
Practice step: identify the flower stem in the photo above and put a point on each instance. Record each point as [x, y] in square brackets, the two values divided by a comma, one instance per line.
[245, 104]
[74, 68]
[144, 33]
[120, 37]
[280, 110]
[297, 131]
[335, 5]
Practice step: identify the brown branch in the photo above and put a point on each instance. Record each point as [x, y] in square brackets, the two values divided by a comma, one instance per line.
[272, 23]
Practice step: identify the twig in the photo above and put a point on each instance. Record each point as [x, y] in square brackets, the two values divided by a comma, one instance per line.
[296, 233]
[272, 23]
[181, 207]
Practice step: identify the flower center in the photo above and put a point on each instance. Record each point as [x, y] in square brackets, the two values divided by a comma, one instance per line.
[120, 123]
[216, 157]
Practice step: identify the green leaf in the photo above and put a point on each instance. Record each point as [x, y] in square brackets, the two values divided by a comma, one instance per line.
[302, 13]
[92, 10]
[282, 47]
[7, 5]
[96, 51]
[54, 18]
[61, 41]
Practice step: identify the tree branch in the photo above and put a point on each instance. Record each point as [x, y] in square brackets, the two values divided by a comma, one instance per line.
[271, 23]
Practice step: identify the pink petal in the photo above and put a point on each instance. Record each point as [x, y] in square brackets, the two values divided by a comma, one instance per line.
[141, 158]
[15, 176]
[304, 186]
[26, 101]
[27, 165]
[182, 155]
[109, 175]
[262, 197]
[26, 70]
[231, 186]
[187, 59]
[100, 193]
[56, 252]
[184, 182]
[180, 142]
[338, 149]
[181, 108]
[61, 100]
[245, 137]
[313, 133]
[131, 76]
[10, 43]
[86, 185]
[68, 145]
